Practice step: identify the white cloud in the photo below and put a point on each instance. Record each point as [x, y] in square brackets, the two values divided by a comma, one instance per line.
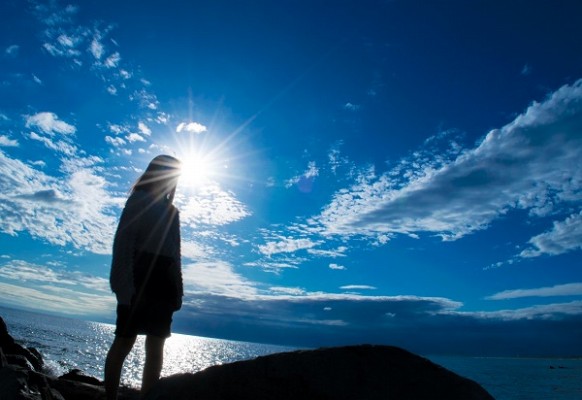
[273, 266]
[58, 145]
[217, 278]
[531, 163]
[287, 291]
[568, 289]
[134, 137]
[212, 206]
[57, 289]
[112, 61]
[57, 299]
[357, 287]
[304, 180]
[37, 79]
[144, 129]
[286, 245]
[96, 49]
[22, 271]
[191, 127]
[68, 41]
[12, 50]
[5, 141]
[351, 107]
[75, 209]
[337, 267]
[564, 237]
[49, 123]
[336, 160]
[195, 251]
[545, 311]
[334, 253]
[117, 129]
[115, 141]
[145, 99]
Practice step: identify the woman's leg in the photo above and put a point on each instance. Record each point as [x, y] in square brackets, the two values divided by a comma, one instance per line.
[154, 347]
[115, 357]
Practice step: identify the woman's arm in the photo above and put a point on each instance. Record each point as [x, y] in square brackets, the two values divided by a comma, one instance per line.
[121, 277]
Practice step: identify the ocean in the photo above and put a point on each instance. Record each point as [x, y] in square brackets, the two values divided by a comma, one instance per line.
[70, 343]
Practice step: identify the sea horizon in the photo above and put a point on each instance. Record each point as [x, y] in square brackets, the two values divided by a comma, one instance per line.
[109, 322]
[83, 345]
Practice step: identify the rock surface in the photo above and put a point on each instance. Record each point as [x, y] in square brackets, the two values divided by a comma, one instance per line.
[352, 372]
[22, 378]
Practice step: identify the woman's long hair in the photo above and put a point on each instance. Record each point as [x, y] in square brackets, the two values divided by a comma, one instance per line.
[160, 177]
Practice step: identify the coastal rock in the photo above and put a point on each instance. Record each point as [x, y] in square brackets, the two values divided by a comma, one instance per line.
[76, 375]
[352, 372]
[21, 377]
[10, 347]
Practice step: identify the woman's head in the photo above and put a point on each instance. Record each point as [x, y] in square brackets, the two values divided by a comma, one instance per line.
[160, 177]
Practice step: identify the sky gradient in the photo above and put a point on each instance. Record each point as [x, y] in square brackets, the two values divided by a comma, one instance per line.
[397, 172]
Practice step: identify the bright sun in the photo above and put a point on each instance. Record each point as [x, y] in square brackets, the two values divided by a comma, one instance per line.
[196, 171]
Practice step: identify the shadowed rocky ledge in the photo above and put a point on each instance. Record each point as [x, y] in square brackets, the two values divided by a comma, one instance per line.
[351, 372]
[335, 373]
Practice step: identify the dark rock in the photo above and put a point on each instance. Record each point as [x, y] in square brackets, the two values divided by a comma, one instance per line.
[73, 390]
[10, 347]
[77, 375]
[20, 361]
[15, 385]
[353, 372]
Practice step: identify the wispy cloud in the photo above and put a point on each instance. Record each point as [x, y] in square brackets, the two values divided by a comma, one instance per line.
[96, 48]
[305, 180]
[12, 50]
[568, 289]
[216, 278]
[332, 253]
[49, 123]
[90, 47]
[540, 312]
[60, 146]
[112, 61]
[565, 236]
[337, 267]
[134, 137]
[18, 270]
[144, 129]
[75, 209]
[5, 141]
[286, 245]
[24, 284]
[57, 299]
[357, 287]
[211, 206]
[531, 164]
[351, 106]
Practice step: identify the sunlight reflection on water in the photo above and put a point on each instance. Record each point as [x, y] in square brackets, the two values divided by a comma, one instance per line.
[182, 353]
[68, 343]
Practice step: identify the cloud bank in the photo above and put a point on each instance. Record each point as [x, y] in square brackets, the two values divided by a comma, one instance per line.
[529, 164]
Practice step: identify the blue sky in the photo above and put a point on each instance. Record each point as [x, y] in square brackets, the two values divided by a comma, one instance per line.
[391, 172]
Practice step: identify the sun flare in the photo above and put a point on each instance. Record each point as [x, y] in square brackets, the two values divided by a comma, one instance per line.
[197, 171]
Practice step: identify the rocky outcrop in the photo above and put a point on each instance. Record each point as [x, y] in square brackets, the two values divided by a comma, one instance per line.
[17, 354]
[22, 377]
[353, 372]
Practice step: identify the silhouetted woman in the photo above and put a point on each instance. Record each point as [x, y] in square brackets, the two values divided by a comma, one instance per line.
[146, 272]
